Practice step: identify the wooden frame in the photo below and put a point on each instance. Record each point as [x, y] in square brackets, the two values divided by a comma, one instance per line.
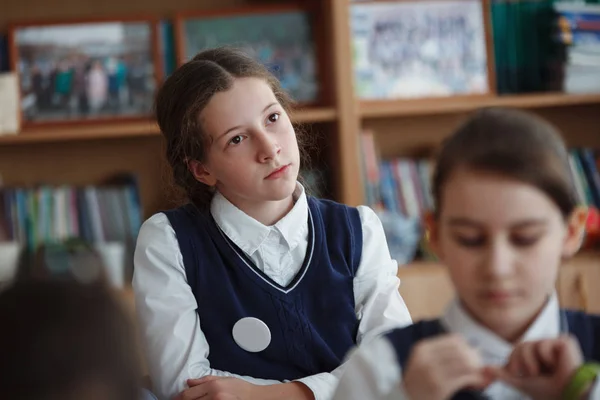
[101, 117]
[257, 11]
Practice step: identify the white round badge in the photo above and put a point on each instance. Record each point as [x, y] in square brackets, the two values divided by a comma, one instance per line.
[251, 334]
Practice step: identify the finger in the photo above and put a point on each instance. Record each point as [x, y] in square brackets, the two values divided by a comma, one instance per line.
[509, 378]
[568, 351]
[491, 374]
[529, 362]
[193, 393]
[462, 365]
[517, 366]
[545, 353]
[200, 381]
[530, 385]
[458, 360]
[512, 366]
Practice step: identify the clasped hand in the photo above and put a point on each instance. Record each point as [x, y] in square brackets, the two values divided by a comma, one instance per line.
[440, 367]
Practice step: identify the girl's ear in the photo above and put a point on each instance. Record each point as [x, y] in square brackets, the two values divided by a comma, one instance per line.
[432, 233]
[575, 231]
[201, 173]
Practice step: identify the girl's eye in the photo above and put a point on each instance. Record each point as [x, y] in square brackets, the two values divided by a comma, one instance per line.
[524, 241]
[273, 117]
[467, 241]
[236, 139]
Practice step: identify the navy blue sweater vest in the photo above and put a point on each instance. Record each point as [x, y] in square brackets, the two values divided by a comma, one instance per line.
[312, 321]
[586, 328]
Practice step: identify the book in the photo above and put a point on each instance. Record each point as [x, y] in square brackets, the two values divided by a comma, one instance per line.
[10, 119]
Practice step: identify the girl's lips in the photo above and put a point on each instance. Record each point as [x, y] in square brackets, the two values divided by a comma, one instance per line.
[498, 296]
[279, 172]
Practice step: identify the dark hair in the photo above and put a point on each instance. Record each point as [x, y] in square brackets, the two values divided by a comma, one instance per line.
[186, 93]
[59, 337]
[511, 143]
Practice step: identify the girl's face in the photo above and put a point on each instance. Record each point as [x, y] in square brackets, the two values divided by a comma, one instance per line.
[253, 155]
[502, 241]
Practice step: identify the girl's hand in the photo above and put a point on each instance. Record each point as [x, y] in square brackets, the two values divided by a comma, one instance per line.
[438, 368]
[215, 387]
[221, 388]
[542, 369]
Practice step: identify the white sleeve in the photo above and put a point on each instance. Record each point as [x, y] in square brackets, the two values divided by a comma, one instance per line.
[372, 372]
[379, 306]
[175, 347]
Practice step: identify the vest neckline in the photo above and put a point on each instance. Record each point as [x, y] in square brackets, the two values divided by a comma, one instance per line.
[246, 263]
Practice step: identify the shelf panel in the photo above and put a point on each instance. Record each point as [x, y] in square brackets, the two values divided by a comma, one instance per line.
[308, 115]
[129, 129]
[585, 259]
[81, 132]
[449, 105]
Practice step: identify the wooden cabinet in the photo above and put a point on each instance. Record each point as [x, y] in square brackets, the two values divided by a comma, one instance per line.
[579, 283]
[427, 289]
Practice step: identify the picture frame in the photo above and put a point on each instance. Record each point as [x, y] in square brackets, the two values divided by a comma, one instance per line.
[86, 71]
[284, 42]
[421, 49]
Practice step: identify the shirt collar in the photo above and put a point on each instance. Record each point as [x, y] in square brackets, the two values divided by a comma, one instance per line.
[294, 225]
[249, 234]
[494, 348]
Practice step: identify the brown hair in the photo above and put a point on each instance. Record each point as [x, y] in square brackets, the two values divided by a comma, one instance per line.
[183, 97]
[61, 338]
[511, 143]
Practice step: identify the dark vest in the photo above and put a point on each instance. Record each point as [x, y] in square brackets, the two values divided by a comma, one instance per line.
[312, 321]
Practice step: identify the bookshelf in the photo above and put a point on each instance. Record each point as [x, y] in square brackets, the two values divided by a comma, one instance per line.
[382, 109]
[88, 154]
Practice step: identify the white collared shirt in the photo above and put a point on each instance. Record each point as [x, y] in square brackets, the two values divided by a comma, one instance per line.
[176, 348]
[373, 371]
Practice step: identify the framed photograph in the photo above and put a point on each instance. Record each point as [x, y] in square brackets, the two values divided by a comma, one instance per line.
[419, 49]
[85, 71]
[281, 38]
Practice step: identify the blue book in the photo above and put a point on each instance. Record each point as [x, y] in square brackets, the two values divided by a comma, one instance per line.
[4, 64]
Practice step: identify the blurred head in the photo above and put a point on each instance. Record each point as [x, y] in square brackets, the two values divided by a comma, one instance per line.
[63, 340]
[226, 123]
[506, 216]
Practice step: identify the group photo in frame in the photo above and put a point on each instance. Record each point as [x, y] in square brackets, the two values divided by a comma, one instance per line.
[85, 70]
[419, 49]
[280, 37]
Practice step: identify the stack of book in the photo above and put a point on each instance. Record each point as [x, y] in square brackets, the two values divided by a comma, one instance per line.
[45, 214]
[528, 58]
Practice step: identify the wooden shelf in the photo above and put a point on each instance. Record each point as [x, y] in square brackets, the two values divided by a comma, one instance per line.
[129, 129]
[449, 105]
[584, 258]
[81, 132]
[308, 115]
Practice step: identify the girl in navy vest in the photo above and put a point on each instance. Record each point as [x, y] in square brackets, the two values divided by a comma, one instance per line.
[506, 218]
[252, 290]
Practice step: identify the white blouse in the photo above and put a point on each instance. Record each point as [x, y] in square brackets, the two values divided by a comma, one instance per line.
[373, 371]
[176, 348]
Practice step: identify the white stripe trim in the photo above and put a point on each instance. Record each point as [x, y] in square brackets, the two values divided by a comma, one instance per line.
[312, 249]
